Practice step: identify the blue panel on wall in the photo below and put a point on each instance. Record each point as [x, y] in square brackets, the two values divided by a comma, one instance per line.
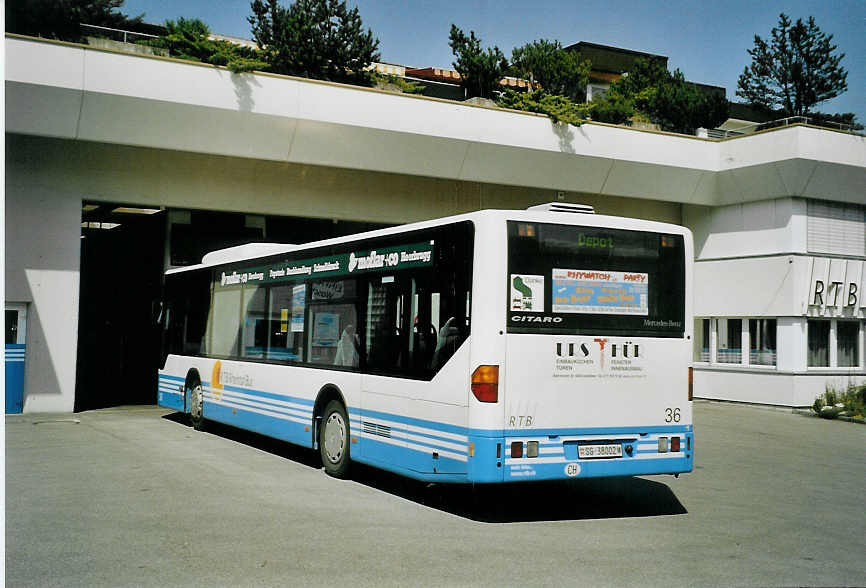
[14, 377]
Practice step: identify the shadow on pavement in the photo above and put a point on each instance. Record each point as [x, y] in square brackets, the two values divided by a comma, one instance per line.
[301, 455]
[566, 500]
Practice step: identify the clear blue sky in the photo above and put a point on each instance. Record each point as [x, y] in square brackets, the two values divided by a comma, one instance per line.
[706, 40]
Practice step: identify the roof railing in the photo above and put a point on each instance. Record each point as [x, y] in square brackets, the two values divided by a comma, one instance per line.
[781, 122]
[116, 34]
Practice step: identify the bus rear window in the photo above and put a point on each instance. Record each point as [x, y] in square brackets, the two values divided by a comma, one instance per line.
[594, 280]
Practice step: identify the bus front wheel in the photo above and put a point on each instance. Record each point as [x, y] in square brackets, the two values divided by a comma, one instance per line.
[334, 440]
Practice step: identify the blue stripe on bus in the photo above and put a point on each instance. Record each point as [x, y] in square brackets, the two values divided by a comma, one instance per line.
[173, 378]
[270, 395]
[397, 454]
[265, 425]
[445, 428]
[407, 461]
[577, 432]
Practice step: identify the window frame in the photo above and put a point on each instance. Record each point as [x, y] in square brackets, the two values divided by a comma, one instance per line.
[833, 345]
[745, 344]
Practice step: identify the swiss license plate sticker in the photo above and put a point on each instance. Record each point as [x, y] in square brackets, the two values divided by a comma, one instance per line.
[599, 451]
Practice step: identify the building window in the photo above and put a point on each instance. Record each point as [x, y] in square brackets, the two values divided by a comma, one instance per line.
[762, 337]
[702, 340]
[847, 344]
[596, 91]
[819, 343]
[730, 341]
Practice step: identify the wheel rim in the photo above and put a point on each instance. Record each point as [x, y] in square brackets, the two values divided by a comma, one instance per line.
[335, 437]
[196, 400]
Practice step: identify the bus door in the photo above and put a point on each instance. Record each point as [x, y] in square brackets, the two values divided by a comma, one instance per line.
[16, 331]
[384, 396]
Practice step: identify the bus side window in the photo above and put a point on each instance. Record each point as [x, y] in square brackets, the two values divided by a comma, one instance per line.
[253, 323]
[333, 316]
[387, 338]
[425, 325]
[286, 322]
[223, 323]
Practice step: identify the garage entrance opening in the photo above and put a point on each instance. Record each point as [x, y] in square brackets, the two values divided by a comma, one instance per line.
[125, 250]
[122, 258]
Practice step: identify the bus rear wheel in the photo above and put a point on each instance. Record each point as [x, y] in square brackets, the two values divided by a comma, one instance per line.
[334, 440]
[196, 406]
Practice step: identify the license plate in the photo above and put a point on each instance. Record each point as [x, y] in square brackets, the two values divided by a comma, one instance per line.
[596, 451]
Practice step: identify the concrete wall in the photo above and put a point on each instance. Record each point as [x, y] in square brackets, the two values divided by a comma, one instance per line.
[72, 91]
[42, 269]
[757, 387]
[157, 177]
[752, 228]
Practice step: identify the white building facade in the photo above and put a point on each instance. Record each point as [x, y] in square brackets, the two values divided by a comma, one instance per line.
[779, 299]
[778, 216]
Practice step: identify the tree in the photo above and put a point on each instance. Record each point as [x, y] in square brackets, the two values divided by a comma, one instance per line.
[666, 98]
[62, 20]
[796, 70]
[480, 71]
[320, 39]
[545, 63]
[613, 108]
[189, 39]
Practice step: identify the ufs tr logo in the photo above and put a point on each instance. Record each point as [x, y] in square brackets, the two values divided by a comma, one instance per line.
[625, 350]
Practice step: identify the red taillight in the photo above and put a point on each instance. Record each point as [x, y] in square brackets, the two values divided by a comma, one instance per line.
[485, 383]
[675, 444]
[691, 382]
[517, 449]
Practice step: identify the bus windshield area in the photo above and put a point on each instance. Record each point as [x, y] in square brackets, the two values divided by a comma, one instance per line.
[568, 279]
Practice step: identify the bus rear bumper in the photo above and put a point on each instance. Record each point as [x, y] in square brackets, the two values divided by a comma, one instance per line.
[518, 461]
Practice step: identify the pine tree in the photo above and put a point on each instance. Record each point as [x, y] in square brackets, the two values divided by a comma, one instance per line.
[480, 71]
[320, 39]
[796, 70]
[557, 71]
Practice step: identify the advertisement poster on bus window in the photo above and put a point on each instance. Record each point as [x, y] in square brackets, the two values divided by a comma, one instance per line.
[600, 292]
[326, 329]
[298, 301]
[527, 293]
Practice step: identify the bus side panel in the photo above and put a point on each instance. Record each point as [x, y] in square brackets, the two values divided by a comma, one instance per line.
[401, 424]
[170, 392]
[261, 398]
[489, 301]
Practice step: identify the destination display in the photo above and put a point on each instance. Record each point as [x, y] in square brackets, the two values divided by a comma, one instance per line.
[344, 264]
[600, 292]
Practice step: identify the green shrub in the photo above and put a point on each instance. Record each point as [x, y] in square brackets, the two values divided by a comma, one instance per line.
[558, 108]
[831, 396]
[188, 39]
[404, 85]
[818, 405]
[852, 399]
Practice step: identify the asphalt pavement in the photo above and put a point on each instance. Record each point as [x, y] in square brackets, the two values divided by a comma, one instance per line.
[135, 497]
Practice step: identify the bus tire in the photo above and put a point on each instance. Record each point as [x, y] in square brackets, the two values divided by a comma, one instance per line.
[334, 440]
[196, 406]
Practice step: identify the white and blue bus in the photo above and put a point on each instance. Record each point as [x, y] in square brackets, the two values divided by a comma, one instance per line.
[494, 346]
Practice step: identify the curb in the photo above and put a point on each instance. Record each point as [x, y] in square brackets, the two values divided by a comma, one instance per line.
[839, 417]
